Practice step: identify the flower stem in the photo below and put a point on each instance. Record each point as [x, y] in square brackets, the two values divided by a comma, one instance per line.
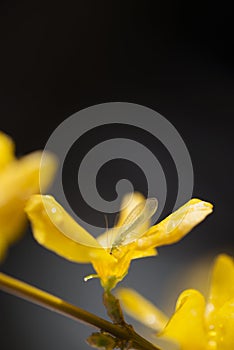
[51, 302]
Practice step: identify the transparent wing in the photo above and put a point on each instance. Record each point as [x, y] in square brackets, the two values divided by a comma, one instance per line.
[137, 217]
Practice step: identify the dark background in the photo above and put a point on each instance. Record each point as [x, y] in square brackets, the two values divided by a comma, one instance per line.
[175, 57]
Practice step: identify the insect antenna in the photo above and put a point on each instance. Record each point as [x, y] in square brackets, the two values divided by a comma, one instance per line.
[107, 229]
[116, 219]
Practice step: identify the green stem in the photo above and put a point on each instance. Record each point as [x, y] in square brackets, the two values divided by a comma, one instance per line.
[51, 302]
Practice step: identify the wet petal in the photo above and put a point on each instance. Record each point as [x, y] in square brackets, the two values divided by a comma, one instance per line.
[186, 326]
[225, 326]
[56, 230]
[141, 309]
[176, 225]
[6, 150]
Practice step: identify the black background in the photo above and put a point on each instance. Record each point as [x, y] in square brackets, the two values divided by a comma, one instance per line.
[175, 57]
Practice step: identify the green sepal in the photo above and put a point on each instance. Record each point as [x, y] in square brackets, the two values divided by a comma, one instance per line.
[102, 341]
[113, 308]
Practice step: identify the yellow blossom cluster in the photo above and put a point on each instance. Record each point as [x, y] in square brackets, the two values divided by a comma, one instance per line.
[198, 323]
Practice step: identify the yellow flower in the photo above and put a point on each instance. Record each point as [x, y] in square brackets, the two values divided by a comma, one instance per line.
[197, 324]
[111, 253]
[19, 179]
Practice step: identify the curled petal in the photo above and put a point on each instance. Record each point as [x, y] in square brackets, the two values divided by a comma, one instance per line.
[56, 230]
[176, 225]
[7, 149]
[141, 309]
[186, 326]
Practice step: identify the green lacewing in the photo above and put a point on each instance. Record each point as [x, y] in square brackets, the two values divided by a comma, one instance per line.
[128, 231]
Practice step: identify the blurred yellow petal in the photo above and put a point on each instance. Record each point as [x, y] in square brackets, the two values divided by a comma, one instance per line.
[210, 327]
[141, 309]
[56, 230]
[224, 326]
[6, 150]
[187, 326]
[222, 284]
[18, 181]
[176, 225]
[21, 178]
[12, 225]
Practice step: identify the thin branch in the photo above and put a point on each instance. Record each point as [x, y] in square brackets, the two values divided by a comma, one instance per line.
[51, 302]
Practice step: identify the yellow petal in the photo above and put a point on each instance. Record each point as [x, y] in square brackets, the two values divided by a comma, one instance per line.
[176, 225]
[55, 229]
[186, 326]
[6, 150]
[137, 254]
[222, 284]
[141, 309]
[113, 269]
[47, 170]
[18, 181]
[224, 326]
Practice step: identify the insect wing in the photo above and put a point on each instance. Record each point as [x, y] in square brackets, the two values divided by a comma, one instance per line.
[130, 230]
